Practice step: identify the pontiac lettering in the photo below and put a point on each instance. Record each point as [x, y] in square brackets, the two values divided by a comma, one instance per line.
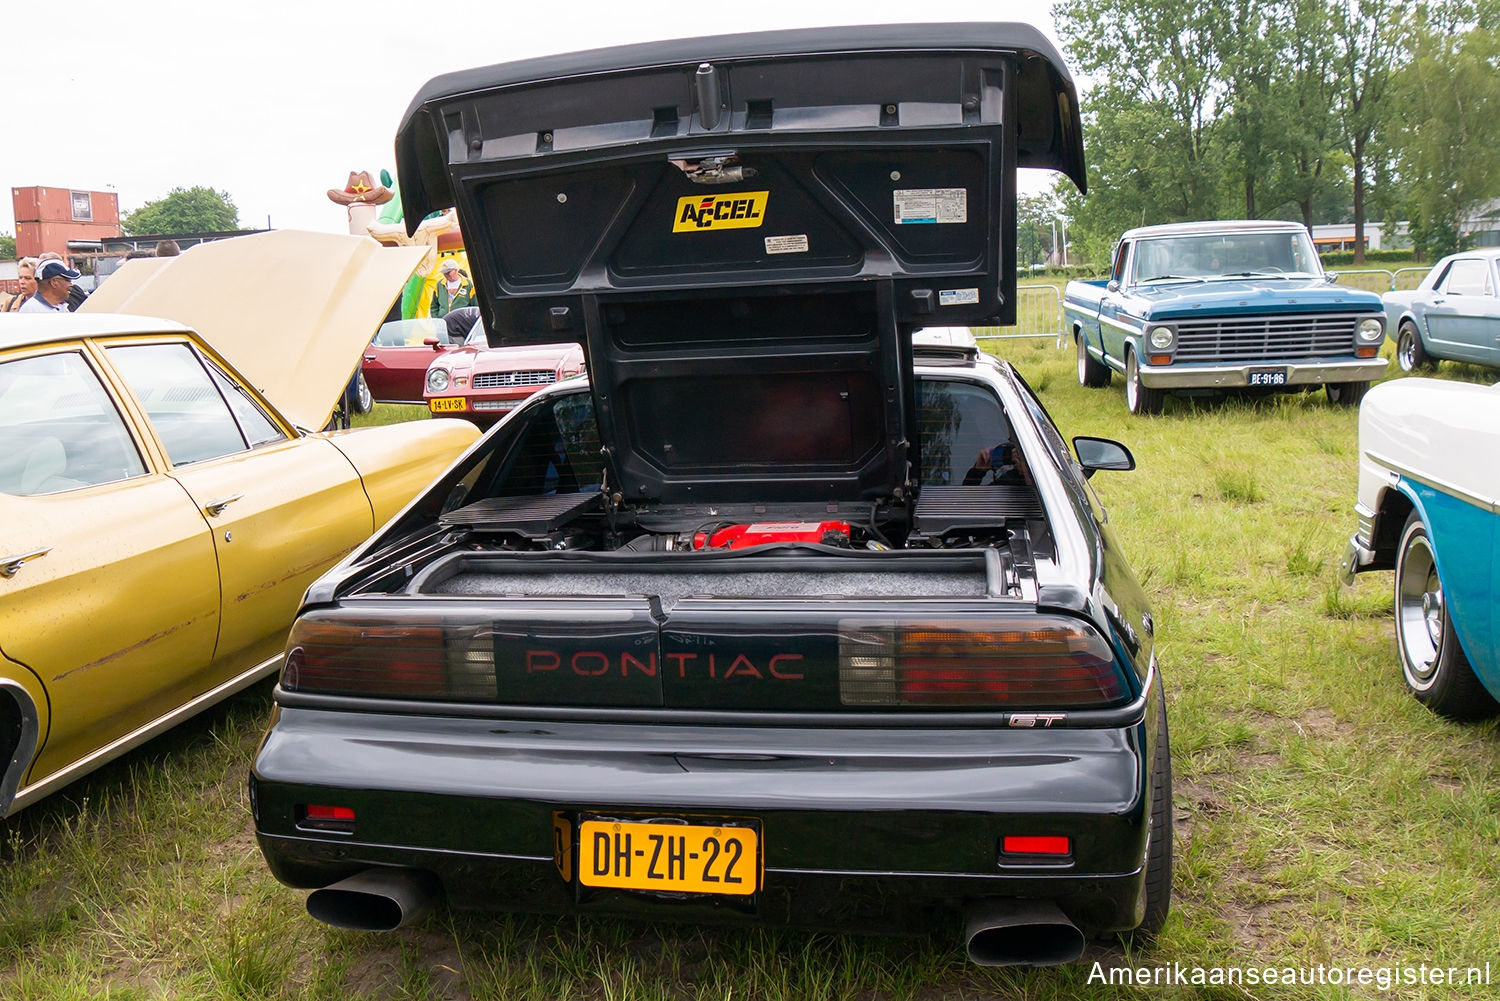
[597, 663]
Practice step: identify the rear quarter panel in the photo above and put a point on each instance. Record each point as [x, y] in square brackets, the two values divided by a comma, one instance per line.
[396, 461]
[1435, 441]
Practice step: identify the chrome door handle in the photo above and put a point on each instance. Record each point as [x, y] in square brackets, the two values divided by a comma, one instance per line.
[217, 507]
[371, 357]
[11, 565]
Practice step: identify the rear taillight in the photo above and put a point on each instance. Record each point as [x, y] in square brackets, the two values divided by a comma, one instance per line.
[395, 655]
[1031, 662]
[1053, 845]
[317, 817]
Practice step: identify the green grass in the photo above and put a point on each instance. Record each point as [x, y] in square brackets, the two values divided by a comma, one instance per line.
[391, 413]
[1323, 816]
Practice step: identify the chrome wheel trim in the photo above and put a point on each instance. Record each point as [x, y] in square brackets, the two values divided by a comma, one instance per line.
[1083, 356]
[1406, 348]
[1132, 383]
[1420, 611]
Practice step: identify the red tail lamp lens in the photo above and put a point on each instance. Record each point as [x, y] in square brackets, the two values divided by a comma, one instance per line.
[1036, 845]
[1032, 661]
[330, 813]
[395, 655]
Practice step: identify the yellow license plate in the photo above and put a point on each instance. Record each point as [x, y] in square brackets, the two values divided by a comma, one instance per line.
[445, 404]
[680, 858]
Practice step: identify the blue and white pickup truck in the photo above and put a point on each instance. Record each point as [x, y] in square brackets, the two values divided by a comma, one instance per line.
[1206, 306]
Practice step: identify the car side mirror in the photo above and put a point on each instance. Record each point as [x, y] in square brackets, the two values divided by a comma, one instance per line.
[433, 343]
[1114, 285]
[1095, 454]
[1332, 277]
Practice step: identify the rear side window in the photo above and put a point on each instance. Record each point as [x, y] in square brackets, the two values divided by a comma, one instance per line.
[557, 451]
[956, 422]
[186, 408]
[59, 429]
[1469, 277]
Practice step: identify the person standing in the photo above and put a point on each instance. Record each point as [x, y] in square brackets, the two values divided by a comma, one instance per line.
[76, 294]
[455, 291]
[54, 280]
[26, 272]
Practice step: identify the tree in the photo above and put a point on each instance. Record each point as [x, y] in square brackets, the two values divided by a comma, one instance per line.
[1035, 215]
[1150, 122]
[1445, 110]
[7, 247]
[184, 210]
[1366, 47]
[1254, 126]
[1311, 174]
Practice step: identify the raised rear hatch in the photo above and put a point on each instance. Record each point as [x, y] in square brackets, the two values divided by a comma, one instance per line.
[743, 230]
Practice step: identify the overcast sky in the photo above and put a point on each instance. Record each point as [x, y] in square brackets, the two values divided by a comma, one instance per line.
[275, 102]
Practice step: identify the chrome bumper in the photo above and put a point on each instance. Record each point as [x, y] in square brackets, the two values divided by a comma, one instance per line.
[1191, 375]
[1357, 556]
[1360, 552]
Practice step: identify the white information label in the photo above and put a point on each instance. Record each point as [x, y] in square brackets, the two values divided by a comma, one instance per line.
[931, 205]
[958, 297]
[787, 244]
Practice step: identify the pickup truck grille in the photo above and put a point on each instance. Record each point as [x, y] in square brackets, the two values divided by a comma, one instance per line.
[500, 380]
[1266, 338]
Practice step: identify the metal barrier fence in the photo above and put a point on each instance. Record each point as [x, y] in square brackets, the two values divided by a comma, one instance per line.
[1407, 278]
[1039, 313]
[1380, 280]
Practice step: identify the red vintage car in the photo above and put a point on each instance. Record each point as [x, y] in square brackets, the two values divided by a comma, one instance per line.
[396, 360]
[484, 384]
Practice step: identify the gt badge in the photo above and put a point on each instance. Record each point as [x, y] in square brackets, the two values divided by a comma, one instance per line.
[739, 210]
[1043, 720]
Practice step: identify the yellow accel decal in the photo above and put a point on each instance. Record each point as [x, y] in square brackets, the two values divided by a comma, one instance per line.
[739, 210]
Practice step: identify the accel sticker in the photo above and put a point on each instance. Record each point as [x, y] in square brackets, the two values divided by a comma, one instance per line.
[739, 210]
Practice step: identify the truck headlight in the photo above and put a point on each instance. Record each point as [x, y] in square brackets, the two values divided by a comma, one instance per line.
[1162, 337]
[437, 380]
[1371, 330]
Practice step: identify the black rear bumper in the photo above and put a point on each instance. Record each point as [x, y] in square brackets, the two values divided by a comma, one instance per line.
[874, 829]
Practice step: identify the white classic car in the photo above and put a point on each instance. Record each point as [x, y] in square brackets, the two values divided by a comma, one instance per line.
[1429, 496]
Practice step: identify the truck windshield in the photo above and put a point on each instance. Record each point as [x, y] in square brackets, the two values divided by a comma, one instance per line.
[1228, 255]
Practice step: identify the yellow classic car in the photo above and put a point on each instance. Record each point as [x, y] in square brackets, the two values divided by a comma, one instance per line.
[164, 501]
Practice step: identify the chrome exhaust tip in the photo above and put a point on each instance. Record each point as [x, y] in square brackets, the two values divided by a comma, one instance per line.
[1002, 932]
[377, 899]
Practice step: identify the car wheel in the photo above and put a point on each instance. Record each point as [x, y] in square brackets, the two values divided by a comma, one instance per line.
[363, 401]
[1159, 850]
[1410, 354]
[1432, 662]
[1140, 399]
[1346, 394]
[1091, 373]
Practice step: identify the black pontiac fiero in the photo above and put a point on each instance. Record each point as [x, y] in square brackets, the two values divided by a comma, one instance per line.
[785, 613]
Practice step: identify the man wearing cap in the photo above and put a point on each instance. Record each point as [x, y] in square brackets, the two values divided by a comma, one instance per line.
[453, 292]
[54, 280]
[76, 294]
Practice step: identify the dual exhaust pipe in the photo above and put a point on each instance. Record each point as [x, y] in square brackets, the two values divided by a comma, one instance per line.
[997, 932]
